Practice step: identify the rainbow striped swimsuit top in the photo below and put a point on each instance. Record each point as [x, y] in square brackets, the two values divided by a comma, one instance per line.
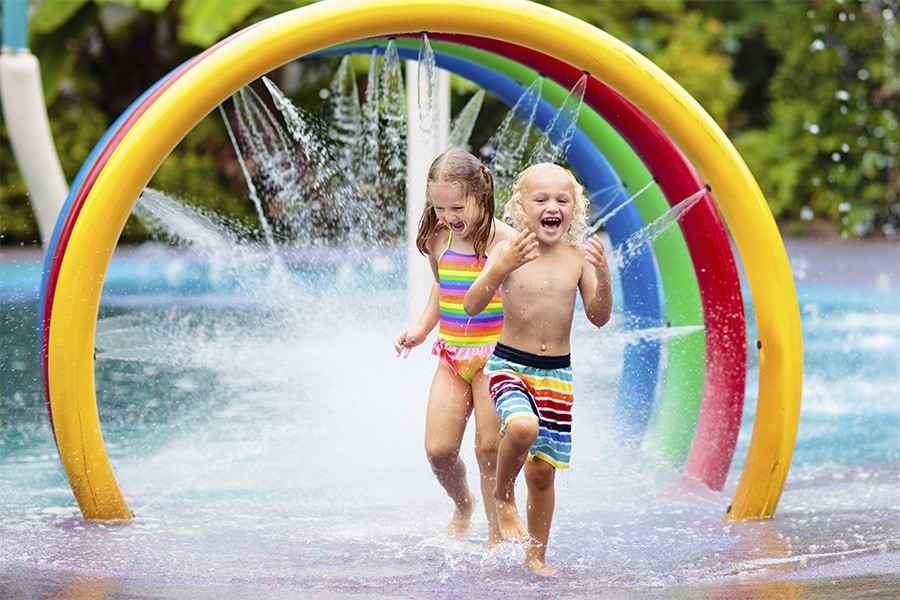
[456, 273]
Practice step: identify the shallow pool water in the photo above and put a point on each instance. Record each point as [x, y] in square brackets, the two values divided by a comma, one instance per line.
[270, 445]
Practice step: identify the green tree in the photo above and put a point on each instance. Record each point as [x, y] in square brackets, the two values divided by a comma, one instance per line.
[684, 40]
[97, 57]
[829, 151]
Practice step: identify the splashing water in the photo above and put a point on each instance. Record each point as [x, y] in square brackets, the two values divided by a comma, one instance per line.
[371, 110]
[505, 150]
[605, 213]
[325, 197]
[209, 232]
[427, 86]
[346, 114]
[394, 117]
[640, 240]
[254, 195]
[553, 145]
[464, 123]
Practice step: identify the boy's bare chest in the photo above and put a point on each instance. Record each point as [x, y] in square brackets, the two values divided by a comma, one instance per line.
[548, 279]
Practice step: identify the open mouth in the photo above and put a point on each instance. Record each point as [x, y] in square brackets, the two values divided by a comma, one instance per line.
[551, 223]
[459, 226]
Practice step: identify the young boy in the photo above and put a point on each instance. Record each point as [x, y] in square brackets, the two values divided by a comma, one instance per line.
[530, 375]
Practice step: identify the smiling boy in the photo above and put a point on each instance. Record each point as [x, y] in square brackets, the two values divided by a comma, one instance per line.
[530, 375]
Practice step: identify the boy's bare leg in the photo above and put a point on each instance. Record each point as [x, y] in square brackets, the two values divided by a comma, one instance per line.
[449, 406]
[539, 476]
[487, 444]
[520, 435]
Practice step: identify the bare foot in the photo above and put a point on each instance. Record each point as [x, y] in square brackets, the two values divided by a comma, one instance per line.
[511, 526]
[494, 538]
[462, 517]
[537, 566]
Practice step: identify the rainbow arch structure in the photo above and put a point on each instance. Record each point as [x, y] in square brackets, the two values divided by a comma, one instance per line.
[719, 305]
[636, 122]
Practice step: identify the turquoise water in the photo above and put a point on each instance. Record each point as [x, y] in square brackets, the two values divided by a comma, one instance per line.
[270, 445]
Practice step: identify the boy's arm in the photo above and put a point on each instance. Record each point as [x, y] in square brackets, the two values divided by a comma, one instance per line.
[506, 258]
[484, 287]
[595, 284]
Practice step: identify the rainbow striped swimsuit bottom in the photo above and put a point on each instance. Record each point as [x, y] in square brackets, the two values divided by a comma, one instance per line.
[539, 387]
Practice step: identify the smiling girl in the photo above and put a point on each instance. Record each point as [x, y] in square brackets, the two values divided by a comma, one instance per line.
[457, 232]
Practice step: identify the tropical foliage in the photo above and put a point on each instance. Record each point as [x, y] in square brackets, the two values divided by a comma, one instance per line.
[830, 147]
[807, 89]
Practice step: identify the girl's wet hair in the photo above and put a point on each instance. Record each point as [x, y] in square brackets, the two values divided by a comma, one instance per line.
[458, 167]
[514, 212]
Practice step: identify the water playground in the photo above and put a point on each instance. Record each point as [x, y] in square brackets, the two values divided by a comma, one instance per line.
[257, 433]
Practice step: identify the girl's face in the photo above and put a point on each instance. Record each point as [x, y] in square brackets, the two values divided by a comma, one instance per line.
[456, 211]
[548, 200]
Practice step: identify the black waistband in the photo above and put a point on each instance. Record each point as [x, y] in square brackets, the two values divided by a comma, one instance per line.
[532, 360]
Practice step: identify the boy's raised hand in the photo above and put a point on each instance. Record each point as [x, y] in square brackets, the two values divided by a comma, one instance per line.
[507, 257]
[596, 255]
[519, 251]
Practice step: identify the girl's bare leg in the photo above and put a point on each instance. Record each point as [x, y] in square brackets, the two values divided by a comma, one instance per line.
[449, 406]
[539, 476]
[520, 435]
[487, 443]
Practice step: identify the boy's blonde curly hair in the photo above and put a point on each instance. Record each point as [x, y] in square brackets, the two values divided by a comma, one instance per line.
[514, 212]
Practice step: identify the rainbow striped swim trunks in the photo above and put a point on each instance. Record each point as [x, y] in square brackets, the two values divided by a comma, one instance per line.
[527, 385]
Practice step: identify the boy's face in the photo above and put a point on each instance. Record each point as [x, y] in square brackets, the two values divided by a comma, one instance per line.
[548, 200]
[453, 208]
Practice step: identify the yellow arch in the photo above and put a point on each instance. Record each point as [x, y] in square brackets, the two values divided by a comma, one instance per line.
[280, 39]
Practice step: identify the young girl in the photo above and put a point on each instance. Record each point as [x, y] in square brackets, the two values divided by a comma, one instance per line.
[457, 232]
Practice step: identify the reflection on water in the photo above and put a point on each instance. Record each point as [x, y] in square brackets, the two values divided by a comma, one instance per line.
[271, 445]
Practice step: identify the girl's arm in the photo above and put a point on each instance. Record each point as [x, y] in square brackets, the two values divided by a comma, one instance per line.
[506, 258]
[431, 315]
[595, 284]
[409, 338]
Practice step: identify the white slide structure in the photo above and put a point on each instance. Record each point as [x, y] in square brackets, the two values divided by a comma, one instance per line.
[29, 133]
